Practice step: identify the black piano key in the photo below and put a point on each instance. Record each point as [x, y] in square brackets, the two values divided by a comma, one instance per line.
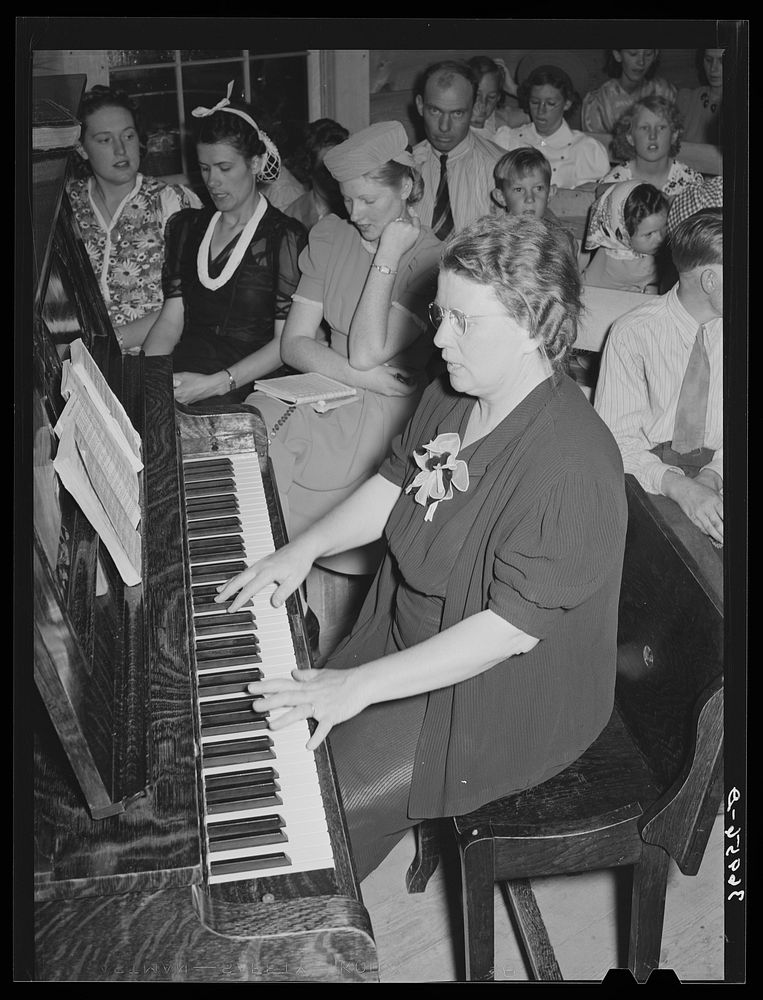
[203, 602]
[218, 461]
[254, 864]
[221, 662]
[196, 473]
[254, 776]
[204, 631]
[218, 545]
[238, 833]
[245, 797]
[209, 680]
[231, 707]
[210, 527]
[210, 485]
[238, 686]
[233, 644]
[238, 751]
[201, 508]
[223, 725]
[217, 572]
[222, 618]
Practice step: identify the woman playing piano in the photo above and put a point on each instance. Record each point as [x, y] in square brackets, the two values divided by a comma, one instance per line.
[483, 659]
[121, 213]
[229, 271]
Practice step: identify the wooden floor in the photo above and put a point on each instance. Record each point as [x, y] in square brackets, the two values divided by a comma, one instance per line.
[418, 936]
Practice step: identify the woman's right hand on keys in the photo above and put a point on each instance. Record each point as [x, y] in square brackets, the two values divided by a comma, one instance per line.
[285, 569]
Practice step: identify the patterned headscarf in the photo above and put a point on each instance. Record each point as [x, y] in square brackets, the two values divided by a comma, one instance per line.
[607, 225]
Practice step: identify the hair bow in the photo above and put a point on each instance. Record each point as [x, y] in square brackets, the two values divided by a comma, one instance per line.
[271, 168]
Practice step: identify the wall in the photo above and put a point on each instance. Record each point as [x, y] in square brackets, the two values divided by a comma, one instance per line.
[92, 62]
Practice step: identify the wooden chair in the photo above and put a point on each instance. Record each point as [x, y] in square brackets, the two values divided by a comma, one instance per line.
[649, 788]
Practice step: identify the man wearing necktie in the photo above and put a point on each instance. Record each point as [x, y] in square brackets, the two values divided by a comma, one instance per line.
[455, 163]
[660, 387]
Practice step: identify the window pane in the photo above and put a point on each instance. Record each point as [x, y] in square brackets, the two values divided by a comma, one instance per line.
[279, 89]
[156, 96]
[137, 57]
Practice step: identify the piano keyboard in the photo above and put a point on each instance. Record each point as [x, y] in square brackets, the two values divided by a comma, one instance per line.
[263, 812]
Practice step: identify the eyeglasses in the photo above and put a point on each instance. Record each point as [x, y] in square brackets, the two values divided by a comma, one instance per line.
[458, 320]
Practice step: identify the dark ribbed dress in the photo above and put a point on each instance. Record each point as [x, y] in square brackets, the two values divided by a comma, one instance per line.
[223, 326]
[537, 538]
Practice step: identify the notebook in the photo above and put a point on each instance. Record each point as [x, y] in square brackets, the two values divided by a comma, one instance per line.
[306, 388]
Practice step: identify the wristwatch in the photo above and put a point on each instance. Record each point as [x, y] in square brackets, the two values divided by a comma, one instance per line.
[384, 269]
[231, 380]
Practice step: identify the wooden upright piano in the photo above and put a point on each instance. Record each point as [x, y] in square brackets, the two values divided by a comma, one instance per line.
[176, 838]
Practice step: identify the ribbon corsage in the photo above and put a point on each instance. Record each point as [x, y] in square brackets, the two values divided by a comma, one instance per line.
[440, 472]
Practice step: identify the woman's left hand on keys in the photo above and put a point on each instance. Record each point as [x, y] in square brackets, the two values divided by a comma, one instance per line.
[328, 696]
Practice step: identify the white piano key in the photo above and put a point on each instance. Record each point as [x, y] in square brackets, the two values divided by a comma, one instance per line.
[308, 845]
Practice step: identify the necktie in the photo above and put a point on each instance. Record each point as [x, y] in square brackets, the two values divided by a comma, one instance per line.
[689, 428]
[442, 217]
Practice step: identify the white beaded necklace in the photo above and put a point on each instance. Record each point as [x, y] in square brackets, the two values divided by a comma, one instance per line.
[244, 239]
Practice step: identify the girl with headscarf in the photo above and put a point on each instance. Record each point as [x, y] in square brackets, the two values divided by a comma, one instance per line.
[627, 229]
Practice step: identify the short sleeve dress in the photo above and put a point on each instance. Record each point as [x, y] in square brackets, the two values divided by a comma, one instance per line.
[224, 325]
[538, 538]
[701, 115]
[320, 458]
[127, 252]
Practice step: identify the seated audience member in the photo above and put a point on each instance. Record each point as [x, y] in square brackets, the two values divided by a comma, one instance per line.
[483, 660]
[496, 103]
[708, 194]
[121, 213]
[700, 107]
[523, 186]
[660, 387]
[371, 278]
[645, 143]
[632, 75]
[627, 230]
[547, 94]
[456, 163]
[323, 197]
[229, 270]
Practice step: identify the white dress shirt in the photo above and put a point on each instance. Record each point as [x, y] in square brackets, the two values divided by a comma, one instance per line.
[575, 158]
[642, 367]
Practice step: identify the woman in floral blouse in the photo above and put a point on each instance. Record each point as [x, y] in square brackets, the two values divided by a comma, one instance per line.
[122, 214]
[483, 659]
[645, 142]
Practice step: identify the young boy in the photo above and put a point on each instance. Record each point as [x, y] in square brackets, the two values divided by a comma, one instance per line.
[523, 186]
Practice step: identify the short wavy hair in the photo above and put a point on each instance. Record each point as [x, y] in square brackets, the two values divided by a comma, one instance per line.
[532, 272]
[621, 150]
[698, 240]
[552, 76]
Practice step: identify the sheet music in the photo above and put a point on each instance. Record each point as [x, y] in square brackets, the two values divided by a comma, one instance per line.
[91, 378]
[81, 412]
[122, 541]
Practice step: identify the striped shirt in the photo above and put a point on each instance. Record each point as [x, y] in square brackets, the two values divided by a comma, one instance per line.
[470, 178]
[642, 367]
